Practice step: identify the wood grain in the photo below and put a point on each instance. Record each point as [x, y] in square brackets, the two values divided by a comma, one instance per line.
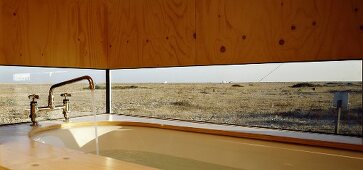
[258, 31]
[151, 33]
[13, 19]
[159, 33]
[64, 33]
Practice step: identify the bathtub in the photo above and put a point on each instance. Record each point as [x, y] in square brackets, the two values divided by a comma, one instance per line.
[172, 147]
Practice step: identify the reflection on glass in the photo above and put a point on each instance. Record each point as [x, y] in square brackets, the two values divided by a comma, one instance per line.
[16, 83]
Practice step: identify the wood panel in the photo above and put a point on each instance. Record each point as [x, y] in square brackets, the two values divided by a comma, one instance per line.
[257, 31]
[156, 33]
[65, 33]
[151, 33]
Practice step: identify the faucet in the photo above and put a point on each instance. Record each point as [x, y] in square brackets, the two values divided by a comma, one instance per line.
[34, 106]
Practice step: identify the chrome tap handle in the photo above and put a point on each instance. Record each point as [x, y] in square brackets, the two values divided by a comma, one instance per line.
[33, 97]
[33, 109]
[65, 95]
[66, 105]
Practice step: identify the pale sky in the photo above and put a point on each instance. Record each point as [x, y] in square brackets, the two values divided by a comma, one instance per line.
[279, 72]
[272, 72]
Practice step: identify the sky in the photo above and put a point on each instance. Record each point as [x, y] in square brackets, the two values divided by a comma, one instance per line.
[272, 72]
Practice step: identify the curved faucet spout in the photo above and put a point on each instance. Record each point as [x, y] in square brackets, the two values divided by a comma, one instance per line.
[33, 104]
[51, 97]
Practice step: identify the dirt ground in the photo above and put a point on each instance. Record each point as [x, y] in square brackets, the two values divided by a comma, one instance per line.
[293, 106]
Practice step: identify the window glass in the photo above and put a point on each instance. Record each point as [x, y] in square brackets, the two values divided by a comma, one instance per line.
[292, 96]
[17, 83]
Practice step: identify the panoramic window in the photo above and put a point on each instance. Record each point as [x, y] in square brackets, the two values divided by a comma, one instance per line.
[17, 83]
[323, 97]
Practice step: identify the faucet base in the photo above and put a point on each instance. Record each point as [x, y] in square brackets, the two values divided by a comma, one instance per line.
[34, 124]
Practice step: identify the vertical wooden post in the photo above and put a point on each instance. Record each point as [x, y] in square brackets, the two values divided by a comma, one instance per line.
[339, 110]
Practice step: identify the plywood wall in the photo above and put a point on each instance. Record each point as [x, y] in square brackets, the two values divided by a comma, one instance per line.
[255, 31]
[61, 33]
[157, 33]
[151, 33]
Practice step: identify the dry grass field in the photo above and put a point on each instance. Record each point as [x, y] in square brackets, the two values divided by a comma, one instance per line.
[304, 107]
[272, 105]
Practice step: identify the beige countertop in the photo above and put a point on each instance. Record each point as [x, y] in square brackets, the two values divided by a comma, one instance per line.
[17, 151]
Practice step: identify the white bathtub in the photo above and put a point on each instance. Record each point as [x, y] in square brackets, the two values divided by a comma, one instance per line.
[172, 149]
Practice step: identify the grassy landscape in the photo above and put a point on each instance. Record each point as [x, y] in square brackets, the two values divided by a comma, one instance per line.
[293, 106]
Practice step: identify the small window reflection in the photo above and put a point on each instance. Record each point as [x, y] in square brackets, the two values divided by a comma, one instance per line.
[16, 83]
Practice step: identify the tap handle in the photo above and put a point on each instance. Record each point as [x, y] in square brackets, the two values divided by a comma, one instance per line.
[65, 95]
[33, 97]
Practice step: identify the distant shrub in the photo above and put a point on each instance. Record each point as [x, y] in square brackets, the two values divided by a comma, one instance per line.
[348, 91]
[97, 87]
[299, 85]
[236, 85]
[332, 84]
[124, 87]
[100, 87]
[181, 103]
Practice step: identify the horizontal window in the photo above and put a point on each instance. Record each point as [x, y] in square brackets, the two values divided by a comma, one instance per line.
[293, 96]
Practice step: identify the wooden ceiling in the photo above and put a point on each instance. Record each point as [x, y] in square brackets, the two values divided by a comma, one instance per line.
[160, 33]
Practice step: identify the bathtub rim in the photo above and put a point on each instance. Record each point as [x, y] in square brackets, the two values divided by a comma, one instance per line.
[263, 137]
